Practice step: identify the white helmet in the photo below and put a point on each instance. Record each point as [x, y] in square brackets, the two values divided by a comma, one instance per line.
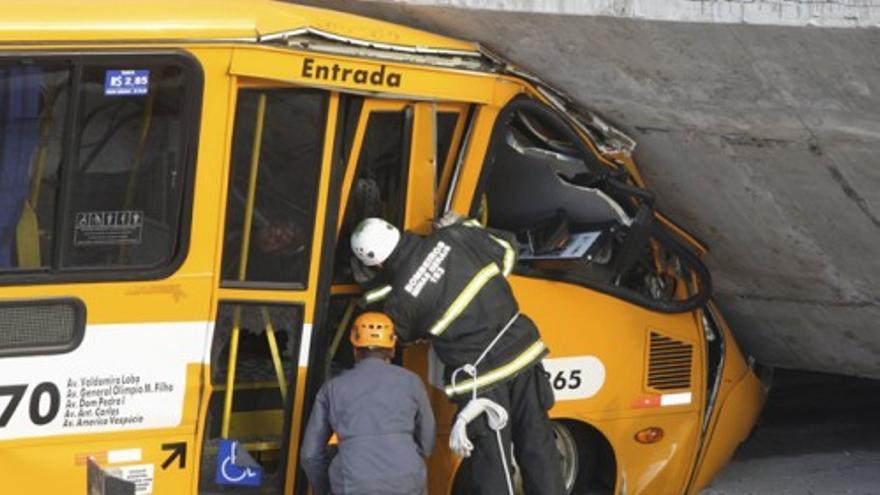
[374, 240]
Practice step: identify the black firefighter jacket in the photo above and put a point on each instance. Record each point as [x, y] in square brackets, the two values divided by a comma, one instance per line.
[451, 287]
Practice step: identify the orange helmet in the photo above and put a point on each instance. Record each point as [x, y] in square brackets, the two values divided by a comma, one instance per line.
[373, 330]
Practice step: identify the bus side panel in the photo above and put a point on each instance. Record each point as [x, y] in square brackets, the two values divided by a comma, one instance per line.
[740, 399]
[125, 400]
[442, 464]
[598, 366]
[127, 397]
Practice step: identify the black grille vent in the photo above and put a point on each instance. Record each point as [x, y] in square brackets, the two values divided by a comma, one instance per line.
[670, 363]
[41, 326]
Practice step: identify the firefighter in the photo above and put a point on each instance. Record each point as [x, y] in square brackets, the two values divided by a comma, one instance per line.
[451, 287]
[381, 416]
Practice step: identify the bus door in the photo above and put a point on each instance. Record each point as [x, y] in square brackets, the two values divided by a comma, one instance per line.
[103, 294]
[393, 153]
[276, 191]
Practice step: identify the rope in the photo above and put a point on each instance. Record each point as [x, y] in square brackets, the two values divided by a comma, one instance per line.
[496, 415]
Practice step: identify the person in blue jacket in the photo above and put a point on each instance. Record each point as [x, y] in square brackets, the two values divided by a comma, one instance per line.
[381, 416]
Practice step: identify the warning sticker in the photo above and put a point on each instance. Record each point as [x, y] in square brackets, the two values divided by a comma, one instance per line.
[94, 228]
[101, 482]
[141, 476]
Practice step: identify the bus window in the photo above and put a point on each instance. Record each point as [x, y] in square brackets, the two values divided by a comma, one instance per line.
[379, 187]
[33, 102]
[446, 122]
[270, 208]
[95, 155]
[265, 377]
[126, 178]
[341, 313]
[452, 119]
[347, 122]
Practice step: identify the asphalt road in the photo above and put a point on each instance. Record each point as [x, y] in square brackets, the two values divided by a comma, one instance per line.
[818, 434]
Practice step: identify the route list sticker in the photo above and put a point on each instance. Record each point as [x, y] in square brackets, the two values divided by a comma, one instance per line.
[100, 401]
[122, 377]
[95, 228]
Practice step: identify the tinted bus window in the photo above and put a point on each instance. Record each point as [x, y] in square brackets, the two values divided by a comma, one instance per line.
[445, 129]
[33, 102]
[379, 188]
[261, 401]
[270, 209]
[94, 161]
[126, 184]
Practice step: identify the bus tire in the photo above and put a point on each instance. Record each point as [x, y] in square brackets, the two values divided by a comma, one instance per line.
[580, 447]
[576, 444]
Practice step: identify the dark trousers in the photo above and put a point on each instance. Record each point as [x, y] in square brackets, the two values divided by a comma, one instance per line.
[527, 397]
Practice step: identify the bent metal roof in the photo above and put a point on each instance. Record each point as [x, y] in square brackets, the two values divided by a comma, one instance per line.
[53, 22]
[40, 21]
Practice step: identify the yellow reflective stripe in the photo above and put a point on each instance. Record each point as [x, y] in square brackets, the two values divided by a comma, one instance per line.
[465, 298]
[500, 373]
[509, 255]
[377, 294]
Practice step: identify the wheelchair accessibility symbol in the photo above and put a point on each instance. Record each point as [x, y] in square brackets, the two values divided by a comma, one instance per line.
[236, 467]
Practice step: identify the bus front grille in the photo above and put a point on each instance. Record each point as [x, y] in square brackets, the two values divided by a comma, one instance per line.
[670, 363]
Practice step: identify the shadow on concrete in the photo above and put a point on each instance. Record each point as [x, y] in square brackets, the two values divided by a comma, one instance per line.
[814, 413]
[818, 435]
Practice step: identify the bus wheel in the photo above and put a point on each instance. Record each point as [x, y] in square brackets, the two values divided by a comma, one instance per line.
[568, 451]
[573, 440]
[579, 450]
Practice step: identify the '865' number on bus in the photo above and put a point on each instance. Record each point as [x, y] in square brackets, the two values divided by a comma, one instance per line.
[567, 379]
[17, 392]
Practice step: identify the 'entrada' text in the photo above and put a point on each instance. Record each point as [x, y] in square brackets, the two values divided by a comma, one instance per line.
[337, 73]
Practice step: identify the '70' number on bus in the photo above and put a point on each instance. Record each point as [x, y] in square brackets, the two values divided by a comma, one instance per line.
[17, 393]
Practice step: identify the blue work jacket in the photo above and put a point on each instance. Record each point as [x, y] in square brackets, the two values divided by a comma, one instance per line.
[382, 417]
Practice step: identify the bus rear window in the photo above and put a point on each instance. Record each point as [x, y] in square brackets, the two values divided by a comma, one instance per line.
[94, 162]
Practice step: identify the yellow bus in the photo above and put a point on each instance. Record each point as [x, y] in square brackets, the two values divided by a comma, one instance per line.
[178, 181]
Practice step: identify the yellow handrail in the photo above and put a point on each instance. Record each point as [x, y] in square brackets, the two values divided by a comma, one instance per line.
[340, 331]
[27, 232]
[146, 123]
[276, 356]
[230, 373]
[242, 264]
[252, 188]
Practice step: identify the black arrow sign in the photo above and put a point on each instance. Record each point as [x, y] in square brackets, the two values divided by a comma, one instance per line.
[178, 451]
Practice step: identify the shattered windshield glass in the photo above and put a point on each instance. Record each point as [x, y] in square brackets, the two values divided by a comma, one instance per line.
[577, 218]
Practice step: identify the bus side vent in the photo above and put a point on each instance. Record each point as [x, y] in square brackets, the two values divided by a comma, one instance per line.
[670, 363]
[40, 326]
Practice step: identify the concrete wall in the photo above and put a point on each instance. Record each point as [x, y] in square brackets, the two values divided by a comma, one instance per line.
[827, 13]
[763, 140]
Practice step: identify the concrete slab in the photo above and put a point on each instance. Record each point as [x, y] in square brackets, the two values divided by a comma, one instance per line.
[762, 140]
